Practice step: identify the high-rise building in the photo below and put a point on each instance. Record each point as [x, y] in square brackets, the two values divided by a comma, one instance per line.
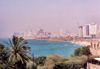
[62, 32]
[84, 31]
[80, 31]
[93, 30]
[40, 31]
[87, 30]
[30, 33]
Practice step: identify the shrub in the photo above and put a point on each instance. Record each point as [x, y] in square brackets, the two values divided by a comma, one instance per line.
[50, 60]
[84, 51]
[72, 64]
[59, 65]
[40, 60]
[64, 59]
[77, 52]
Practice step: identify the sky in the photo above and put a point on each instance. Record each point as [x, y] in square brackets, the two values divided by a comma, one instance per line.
[50, 15]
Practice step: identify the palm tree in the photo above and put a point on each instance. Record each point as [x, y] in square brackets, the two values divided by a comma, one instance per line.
[18, 52]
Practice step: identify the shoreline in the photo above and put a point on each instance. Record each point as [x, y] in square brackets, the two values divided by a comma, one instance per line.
[80, 42]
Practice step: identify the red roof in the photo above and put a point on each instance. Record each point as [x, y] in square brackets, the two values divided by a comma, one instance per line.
[89, 46]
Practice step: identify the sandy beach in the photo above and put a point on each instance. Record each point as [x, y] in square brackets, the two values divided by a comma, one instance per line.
[82, 42]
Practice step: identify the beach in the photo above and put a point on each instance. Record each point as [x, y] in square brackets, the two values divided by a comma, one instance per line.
[81, 42]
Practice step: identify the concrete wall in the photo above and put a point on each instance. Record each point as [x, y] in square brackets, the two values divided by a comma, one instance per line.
[95, 47]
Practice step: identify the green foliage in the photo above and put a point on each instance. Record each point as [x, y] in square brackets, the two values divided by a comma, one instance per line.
[72, 55]
[4, 64]
[50, 60]
[40, 60]
[71, 64]
[64, 60]
[2, 61]
[77, 52]
[59, 65]
[2, 51]
[18, 53]
[83, 51]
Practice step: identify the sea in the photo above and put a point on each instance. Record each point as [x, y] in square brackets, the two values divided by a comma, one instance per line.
[46, 48]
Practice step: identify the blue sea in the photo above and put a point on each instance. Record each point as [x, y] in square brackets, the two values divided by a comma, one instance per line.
[46, 48]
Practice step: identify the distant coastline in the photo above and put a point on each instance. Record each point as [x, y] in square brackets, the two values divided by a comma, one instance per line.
[81, 42]
[85, 43]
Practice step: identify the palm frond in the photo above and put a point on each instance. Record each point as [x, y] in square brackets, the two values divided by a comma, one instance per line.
[23, 42]
[7, 49]
[7, 53]
[25, 53]
[15, 40]
[10, 41]
[10, 57]
[7, 43]
[24, 57]
[29, 54]
[19, 40]
[14, 59]
[19, 58]
[25, 48]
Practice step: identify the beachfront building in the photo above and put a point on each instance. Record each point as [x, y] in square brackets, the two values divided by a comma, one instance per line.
[89, 31]
[93, 28]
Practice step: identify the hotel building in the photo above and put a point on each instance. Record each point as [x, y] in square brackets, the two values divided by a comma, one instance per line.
[89, 31]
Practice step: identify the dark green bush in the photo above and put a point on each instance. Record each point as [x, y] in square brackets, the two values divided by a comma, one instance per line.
[40, 60]
[77, 52]
[83, 51]
[59, 65]
[70, 64]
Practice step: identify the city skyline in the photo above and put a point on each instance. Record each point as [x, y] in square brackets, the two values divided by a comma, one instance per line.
[50, 15]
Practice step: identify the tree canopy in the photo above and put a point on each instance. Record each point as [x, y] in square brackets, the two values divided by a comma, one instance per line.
[82, 51]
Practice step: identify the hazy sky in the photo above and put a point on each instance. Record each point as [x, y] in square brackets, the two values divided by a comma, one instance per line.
[50, 15]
